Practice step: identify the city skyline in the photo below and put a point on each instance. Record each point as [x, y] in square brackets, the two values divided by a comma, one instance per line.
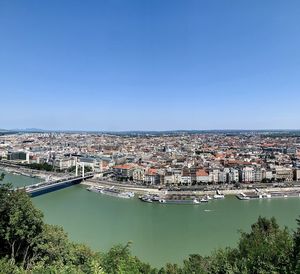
[138, 131]
[171, 65]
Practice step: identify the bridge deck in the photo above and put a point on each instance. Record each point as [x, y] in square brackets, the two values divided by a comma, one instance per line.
[43, 188]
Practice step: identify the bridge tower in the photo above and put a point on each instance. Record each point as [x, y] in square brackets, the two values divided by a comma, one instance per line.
[82, 170]
[76, 169]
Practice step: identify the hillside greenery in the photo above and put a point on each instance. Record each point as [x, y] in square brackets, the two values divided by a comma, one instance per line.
[28, 245]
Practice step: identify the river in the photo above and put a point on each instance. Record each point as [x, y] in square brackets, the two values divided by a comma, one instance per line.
[159, 233]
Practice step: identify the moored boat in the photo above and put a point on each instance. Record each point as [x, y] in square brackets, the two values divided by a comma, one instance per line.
[180, 202]
[208, 197]
[219, 195]
[155, 197]
[112, 192]
[242, 196]
[94, 189]
[196, 201]
[146, 198]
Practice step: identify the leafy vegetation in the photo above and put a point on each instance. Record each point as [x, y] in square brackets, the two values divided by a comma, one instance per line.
[28, 245]
[43, 166]
[86, 169]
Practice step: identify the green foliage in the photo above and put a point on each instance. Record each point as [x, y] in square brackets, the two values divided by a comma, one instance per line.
[171, 269]
[6, 266]
[119, 261]
[52, 245]
[82, 256]
[72, 169]
[196, 264]
[268, 248]
[55, 269]
[43, 166]
[265, 249]
[86, 169]
[296, 249]
[223, 261]
[20, 225]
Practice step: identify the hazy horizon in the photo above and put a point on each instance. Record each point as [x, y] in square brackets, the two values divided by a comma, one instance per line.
[150, 130]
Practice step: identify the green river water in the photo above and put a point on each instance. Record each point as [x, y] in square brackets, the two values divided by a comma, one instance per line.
[159, 233]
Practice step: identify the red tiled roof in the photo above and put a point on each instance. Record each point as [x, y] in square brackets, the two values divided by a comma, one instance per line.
[125, 166]
[151, 171]
[201, 172]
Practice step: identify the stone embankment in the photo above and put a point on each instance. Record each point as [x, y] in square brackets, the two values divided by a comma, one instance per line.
[144, 190]
[20, 170]
[125, 187]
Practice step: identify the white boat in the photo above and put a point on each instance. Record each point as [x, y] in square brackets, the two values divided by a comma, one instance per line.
[163, 201]
[243, 196]
[126, 195]
[219, 195]
[195, 201]
[130, 194]
[112, 192]
[94, 189]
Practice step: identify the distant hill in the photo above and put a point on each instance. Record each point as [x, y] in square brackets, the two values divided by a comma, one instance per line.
[29, 130]
[271, 133]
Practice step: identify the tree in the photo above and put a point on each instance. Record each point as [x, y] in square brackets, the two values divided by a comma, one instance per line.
[20, 225]
[223, 261]
[52, 246]
[296, 249]
[196, 264]
[43, 166]
[28, 243]
[119, 261]
[83, 256]
[86, 169]
[171, 269]
[267, 248]
[7, 267]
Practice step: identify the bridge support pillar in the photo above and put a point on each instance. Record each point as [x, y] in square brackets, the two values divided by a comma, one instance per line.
[76, 170]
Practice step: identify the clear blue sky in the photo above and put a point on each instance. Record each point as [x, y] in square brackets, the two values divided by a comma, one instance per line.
[150, 64]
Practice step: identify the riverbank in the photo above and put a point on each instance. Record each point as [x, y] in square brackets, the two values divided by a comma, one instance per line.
[27, 172]
[137, 190]
[145, 190]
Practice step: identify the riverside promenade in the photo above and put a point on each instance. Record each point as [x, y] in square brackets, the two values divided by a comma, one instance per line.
[155, 190]
[25, 171]
[126, 187]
